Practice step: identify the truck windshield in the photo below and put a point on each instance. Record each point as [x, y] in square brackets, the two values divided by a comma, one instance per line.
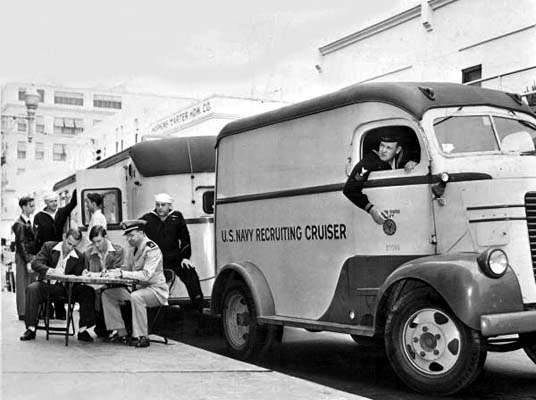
[469, 134]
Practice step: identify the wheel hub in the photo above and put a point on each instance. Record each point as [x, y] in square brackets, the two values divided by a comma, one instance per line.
[428, 342]
[431, 341]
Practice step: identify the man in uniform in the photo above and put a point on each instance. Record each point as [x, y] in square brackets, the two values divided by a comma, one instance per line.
[48, 227]
[24, 251]
[152, 291]
[167, 228]
[385, 158]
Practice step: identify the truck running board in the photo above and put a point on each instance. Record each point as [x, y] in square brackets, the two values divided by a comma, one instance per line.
[317, 325]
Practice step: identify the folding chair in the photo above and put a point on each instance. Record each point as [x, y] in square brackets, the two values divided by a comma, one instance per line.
[67, 330]
[170, 280]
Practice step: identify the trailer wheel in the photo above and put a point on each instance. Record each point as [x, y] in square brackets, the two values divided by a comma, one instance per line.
[429, 348]
[245, 338]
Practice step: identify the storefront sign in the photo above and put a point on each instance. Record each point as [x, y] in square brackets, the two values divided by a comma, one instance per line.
[183, 117]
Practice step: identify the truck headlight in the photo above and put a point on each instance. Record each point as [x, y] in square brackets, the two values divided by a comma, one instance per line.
[493, 262]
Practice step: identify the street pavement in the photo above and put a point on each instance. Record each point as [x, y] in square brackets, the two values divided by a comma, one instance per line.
[43, 370]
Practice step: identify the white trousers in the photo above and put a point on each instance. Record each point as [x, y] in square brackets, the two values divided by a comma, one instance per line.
[139, 300]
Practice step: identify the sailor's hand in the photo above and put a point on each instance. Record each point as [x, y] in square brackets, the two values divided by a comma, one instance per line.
[185, 263]
[378, 216]
[29, 268]
[410, 165]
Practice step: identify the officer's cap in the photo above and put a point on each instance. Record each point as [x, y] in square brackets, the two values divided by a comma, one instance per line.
[163, 198]
[133, 224]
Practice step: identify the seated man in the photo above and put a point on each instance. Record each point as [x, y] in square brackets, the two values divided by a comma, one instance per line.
[59, 258]
[378, 160]
[151, 292]
[101, 256]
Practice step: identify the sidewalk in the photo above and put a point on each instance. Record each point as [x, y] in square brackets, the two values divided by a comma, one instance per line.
[45, 370]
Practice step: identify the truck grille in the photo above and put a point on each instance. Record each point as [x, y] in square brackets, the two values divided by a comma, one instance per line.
[530, 209]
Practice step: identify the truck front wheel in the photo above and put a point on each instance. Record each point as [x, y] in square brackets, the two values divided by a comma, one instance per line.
[430, 349]
[244, 336]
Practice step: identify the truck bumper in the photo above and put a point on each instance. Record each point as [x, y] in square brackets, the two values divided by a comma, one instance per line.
[508, 323]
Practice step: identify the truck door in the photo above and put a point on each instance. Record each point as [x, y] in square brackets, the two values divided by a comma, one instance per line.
[403, 196]
[111, 184]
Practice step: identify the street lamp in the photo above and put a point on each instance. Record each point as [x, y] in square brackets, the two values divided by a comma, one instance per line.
[31, 101]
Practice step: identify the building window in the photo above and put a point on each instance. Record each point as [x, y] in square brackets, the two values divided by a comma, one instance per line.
[39, 151]
[96, 122]
[21, 150]
[40, 124]
[20, 171]
[69, 98]
[41, 93]
[59, 153]
[22, 124]
[68, 126]
[472, 74]
[103, 101]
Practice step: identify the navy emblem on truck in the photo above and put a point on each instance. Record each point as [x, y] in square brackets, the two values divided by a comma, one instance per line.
[389, 227]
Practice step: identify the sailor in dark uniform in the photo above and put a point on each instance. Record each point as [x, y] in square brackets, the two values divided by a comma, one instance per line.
[387, 157]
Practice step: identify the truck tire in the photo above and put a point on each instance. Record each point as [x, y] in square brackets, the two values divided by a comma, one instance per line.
[244, 337]
[530, 348]
[429, 348]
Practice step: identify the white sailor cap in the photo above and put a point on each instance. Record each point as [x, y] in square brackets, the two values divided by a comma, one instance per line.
[50, 196]
[163, 198]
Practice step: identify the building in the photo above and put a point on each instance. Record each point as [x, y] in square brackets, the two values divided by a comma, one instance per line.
[61, 143]
[490, 43]
[208, 116]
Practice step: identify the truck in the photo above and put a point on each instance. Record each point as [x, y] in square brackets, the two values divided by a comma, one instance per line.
[180, 166]
[449, 276]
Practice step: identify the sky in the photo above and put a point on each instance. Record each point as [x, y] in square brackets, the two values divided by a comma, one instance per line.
[191, 48]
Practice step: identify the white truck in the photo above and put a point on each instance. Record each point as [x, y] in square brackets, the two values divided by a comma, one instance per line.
[448, 277]
[182, 167]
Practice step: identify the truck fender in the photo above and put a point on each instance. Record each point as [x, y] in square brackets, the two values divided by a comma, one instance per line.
[460, 282]
[253, 277]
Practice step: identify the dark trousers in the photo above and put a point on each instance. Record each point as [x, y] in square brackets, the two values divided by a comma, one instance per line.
[36, 293]
[190, 279]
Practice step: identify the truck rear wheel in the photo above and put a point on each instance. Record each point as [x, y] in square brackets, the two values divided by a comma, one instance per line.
[530, 348]
[245, 338]
[429, 348]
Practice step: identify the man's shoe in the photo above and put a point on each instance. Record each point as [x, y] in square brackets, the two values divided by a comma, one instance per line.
[85, 337]
[100, 332]
[143, 341]
[28, 335]
[114, 337]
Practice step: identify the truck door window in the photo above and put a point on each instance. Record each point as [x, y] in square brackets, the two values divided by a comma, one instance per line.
[409, 143]
[111, 205]
[465, 134]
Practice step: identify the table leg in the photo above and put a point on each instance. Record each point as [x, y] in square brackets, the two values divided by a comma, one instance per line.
[47, 320]
[69, 310]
